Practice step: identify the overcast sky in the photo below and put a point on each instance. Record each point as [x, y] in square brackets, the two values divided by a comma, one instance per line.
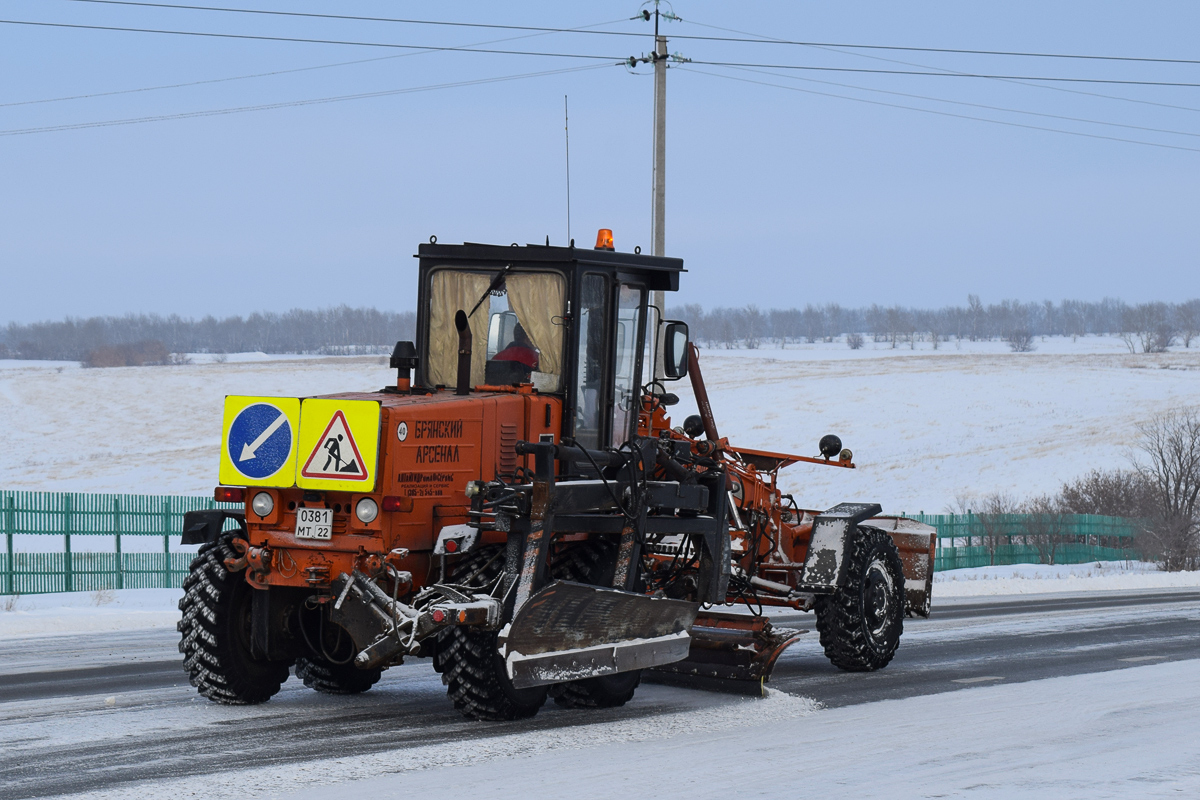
[777, 196]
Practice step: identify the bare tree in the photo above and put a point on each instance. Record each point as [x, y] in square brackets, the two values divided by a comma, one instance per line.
[752, 322]
[976, 314]
[854, 341]
[1109, 493]
[1187, 321]
[1045, 526]
[1020, 341]
[1169, 446]
[1148, 325]
[996, 522]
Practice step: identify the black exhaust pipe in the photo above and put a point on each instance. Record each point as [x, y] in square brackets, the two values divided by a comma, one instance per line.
[463, 385]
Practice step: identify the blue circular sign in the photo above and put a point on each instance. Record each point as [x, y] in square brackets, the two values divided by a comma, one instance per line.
[260, 441]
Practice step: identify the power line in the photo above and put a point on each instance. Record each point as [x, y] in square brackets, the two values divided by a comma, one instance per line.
[760, 40]
[973, 105]
[543, 31]
[289, 104]
[943, 113]
[273, 73]
[942, 74]
[198, 83]
[1063, 89]
[121, 29]
[952, 50]
[353, 18]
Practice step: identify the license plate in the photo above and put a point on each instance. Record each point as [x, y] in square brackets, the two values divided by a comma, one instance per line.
[314, 523]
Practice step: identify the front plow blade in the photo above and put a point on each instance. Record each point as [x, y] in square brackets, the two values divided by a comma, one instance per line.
[729, 652]
[569, 631]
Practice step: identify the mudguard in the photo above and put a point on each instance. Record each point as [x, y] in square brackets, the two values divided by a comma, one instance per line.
[205, 525]
[824, 566]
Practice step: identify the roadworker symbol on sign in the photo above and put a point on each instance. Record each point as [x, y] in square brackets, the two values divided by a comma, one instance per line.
[259, 440]
[336, 454]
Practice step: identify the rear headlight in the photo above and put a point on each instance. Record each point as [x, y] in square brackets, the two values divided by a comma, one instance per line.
[263, 504]
[366, 510]
[229, 494]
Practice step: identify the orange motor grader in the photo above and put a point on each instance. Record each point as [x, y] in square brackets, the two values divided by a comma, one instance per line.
[519, 508]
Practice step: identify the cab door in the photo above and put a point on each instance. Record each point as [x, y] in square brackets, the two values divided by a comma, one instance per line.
[627, 361]
[608, 361]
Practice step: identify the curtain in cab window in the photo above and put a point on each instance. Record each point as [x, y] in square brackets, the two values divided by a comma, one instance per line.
[449, 292]
[538, 300]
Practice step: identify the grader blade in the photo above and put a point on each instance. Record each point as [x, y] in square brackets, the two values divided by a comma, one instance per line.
[569, 631]
[729, 652]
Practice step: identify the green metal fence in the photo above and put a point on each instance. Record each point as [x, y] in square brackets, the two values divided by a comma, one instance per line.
[72, 515]
[981, 540]
[964, 540]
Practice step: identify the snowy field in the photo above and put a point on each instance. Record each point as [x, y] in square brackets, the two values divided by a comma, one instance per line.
[925, 425]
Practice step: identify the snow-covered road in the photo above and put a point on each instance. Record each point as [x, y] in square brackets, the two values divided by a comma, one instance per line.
[1015, 696]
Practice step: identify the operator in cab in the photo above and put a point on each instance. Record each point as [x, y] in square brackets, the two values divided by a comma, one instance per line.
[520, 350]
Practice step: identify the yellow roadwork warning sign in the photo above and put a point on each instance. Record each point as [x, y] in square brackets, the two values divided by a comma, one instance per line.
[339, 444]
[259, 441]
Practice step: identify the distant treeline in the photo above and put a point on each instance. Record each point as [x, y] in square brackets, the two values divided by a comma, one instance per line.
[340, 330]
[1146, 327]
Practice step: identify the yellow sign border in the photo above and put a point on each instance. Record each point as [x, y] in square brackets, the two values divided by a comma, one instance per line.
[285, 476]
[362, 418]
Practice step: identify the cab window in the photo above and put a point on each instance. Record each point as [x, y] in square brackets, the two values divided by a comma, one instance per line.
[589, 380]
[516, 327]
[625, 371]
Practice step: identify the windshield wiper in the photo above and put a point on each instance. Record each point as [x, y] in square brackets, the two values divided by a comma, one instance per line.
[493, 286]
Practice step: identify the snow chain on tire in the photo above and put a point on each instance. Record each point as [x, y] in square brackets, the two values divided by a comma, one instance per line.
[860, 624]
[592, 562]
[472, 670]
[330, 678]
[215, 631]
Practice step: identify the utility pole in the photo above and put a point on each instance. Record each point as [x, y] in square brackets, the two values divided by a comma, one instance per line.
[659, 220]
[660, 143]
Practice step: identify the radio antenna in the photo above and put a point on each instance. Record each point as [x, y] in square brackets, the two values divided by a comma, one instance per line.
[567, 134]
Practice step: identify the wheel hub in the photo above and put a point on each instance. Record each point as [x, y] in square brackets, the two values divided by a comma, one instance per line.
[877, 598]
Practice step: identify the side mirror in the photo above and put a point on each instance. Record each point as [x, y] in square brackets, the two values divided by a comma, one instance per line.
[675, 350]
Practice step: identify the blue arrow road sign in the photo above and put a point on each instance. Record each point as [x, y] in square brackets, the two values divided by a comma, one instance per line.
[260, 440]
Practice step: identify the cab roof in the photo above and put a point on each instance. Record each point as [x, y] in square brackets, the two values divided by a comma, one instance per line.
[660, 272]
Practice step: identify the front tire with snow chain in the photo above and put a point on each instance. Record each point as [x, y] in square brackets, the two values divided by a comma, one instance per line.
[474, 674]
[215, 632]
[860, 624]
[593, 562]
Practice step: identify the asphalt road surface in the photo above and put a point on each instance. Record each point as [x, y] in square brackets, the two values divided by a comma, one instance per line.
[107, 711]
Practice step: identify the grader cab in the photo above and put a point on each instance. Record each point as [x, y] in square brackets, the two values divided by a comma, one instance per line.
[519, 508]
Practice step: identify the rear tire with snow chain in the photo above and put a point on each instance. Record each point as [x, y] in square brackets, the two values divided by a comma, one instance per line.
[860, 624]
[330, 678]
[215, 632]
[593, 562]
[474, 674]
